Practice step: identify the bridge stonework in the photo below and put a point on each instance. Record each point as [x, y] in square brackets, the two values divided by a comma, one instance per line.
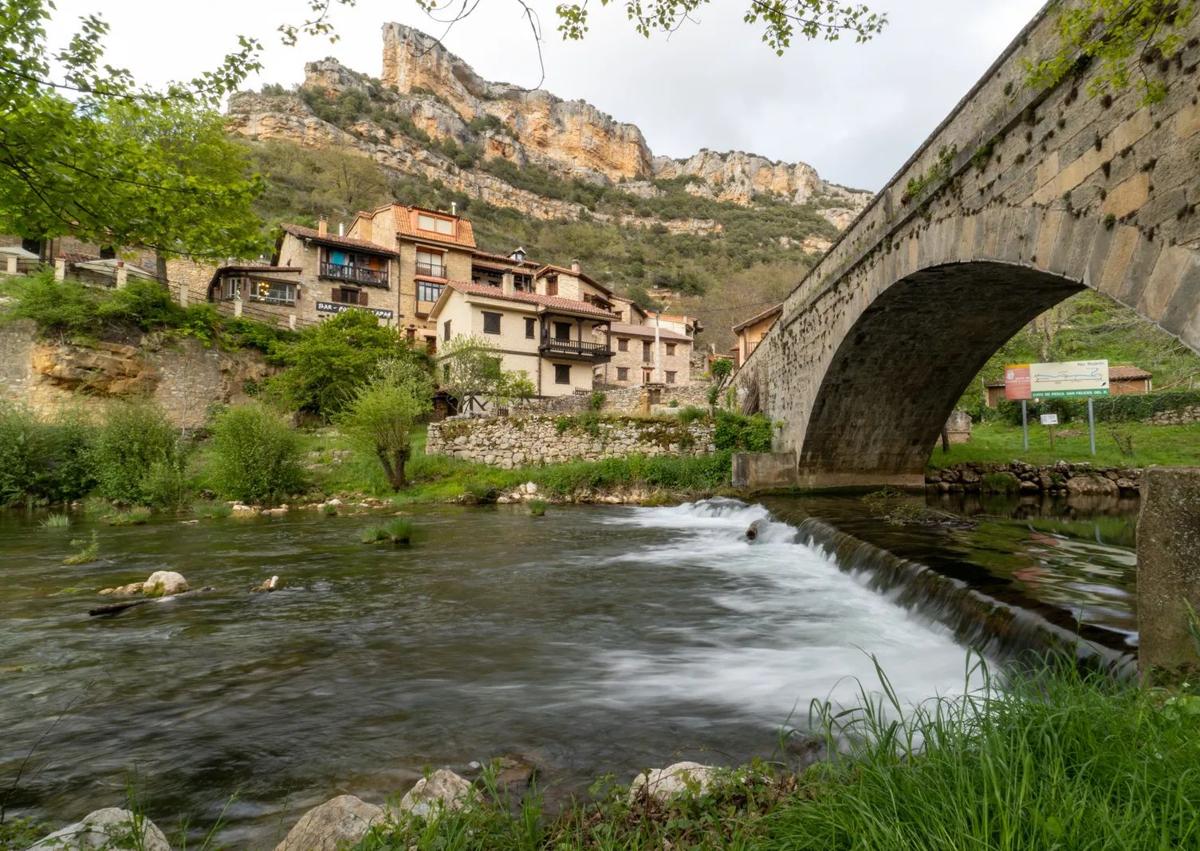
[1019, 199]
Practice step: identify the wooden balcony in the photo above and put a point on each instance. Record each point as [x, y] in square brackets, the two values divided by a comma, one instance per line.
[575, 350]
[354, 274]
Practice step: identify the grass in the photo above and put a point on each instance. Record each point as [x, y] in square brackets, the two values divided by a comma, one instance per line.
[210, 509]
[1057, 759]
[398, 532]
[993, 442]
[20, 833]
[56, 521]
[88, 551]
[537, 507]
[136, 516]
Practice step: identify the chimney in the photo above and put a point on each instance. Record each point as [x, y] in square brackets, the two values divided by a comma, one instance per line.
[322, 227]
[454, 208]
[507, 283]
[575, 267]
[341, 228]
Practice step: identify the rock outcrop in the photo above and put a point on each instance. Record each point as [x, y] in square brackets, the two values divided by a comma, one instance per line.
[428, 93]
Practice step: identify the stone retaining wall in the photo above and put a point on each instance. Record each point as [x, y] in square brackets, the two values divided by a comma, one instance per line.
[1182, 416]
[1018, 477]
[538, 439]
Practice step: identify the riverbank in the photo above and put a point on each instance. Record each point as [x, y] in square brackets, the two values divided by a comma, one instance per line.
[1044, 763]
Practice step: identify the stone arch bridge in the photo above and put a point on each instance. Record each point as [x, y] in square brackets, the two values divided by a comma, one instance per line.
[1020, 198]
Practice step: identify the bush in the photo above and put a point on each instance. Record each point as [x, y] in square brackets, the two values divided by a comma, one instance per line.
[255, 455]
[596, 400]
[43, 462]
[166, 484]
[134, 438]
[691, 414]
[65, 307]
[742, 433]
[380, 419]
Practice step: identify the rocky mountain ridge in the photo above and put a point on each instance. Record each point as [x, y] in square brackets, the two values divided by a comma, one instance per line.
[431, 114]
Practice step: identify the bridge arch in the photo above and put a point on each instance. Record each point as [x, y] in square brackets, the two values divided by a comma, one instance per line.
[885, 353]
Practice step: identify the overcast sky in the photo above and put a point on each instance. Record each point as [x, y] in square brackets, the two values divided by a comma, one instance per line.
[855, 112]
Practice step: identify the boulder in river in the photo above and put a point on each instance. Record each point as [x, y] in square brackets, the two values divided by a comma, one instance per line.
[271, 584]
[164, 583]
[338, 823]
[442, 790]
[111, 827]
[682, 778]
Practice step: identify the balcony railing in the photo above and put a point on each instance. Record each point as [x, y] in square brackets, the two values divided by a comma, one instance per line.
[575, 348]
[354, 274]
[433, 270]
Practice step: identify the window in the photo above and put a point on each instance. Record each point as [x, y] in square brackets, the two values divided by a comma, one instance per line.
[530, 327]
[434, 224]
[354, 268]
[552, 286]
[346, 295]
[522, 283]
[670, 377]
[562, 330]
[670, 349]
[446, 330]
[647, 351]
[622, 373]
[622, 344]
[647, 375]
[491, 322]
[428, 292]
[430, 263]
[232, 287]
[562, 373]
[273, 292]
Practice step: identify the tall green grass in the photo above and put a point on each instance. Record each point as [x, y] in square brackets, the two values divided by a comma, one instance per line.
[1053, 759]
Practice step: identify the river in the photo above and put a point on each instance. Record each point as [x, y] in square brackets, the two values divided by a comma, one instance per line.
[594, 640]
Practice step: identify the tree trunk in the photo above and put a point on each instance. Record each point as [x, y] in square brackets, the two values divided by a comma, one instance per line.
[945, 438]
[388, 469]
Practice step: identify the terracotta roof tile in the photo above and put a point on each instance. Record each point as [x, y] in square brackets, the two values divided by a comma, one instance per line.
[406, 224]
[338, 241]
[531, 298]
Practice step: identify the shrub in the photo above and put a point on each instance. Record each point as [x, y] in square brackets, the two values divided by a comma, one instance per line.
[596, 400]
[133, 439]
[145, 304]
[65, 307]
[537, 507]
[43, 462]
[166, 483]
[691, 414]
[720, 368]
[1130, 407]
[208, 509]
[326, 363]
[256, 456]
[381, 417]
[133, 517]
[741, 432]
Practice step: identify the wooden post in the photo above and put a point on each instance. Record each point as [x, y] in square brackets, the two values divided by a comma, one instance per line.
[1168, 574]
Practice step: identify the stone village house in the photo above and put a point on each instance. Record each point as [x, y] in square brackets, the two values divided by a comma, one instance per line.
[420, 271]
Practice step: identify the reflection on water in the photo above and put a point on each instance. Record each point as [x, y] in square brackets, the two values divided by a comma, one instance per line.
[593, 640]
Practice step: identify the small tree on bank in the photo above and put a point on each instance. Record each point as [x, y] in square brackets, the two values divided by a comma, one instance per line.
[381, 416]
[471, 370]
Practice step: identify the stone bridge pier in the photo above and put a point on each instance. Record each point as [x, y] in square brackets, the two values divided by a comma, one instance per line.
[1020, 198]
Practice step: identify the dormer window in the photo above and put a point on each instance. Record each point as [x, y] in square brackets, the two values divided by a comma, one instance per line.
[435, 224]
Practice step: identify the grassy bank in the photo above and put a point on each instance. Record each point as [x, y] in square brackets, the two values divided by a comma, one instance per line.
[997, 442]
[338, 469]
[1059, 760]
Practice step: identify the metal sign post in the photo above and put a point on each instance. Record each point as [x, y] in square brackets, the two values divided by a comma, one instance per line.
[1025, 424]
[1092, 424]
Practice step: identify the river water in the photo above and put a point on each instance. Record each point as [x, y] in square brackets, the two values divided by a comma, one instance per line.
[591, 641]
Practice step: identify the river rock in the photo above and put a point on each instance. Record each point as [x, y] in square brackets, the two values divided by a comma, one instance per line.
[164, 583]
[755, 528]
[1091, 485]
[441, 790]
[682, 778]
[111, 827]
[340, 822]
[130, 590]
[266, 585]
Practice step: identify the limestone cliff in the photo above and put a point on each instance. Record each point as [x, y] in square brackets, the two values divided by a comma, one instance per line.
[429, 103]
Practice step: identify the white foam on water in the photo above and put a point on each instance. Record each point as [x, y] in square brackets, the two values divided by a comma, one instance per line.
[796, 627]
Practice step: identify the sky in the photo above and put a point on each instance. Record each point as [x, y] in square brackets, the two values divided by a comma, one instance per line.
[854, 111]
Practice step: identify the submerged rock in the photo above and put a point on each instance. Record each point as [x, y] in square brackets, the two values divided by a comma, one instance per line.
[111, 827]
[442, 790]
[271, 584]
[338, 823]
[755, 528]
[164, 583]
[682, 778]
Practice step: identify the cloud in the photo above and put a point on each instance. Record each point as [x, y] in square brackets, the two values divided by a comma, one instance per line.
[854, 111]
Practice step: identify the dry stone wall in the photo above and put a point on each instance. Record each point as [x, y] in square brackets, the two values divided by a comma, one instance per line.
[538, 439]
